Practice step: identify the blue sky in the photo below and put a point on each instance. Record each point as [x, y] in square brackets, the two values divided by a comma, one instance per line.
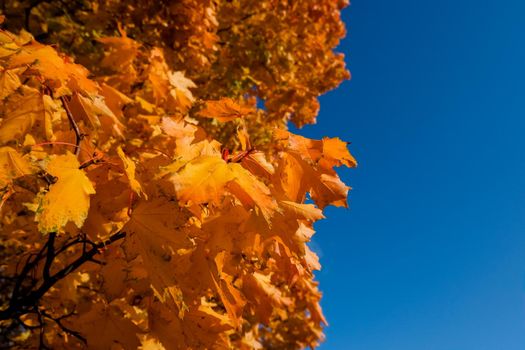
[431, 254]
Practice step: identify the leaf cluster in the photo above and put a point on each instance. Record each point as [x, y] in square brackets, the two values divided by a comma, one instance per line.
[148, 201]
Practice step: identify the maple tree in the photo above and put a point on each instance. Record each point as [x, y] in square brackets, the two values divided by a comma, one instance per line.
[147, 199]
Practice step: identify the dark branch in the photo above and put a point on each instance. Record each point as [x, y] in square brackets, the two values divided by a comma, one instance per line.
[50, 256]
[58, 321]
[23, 300]
[79, 136]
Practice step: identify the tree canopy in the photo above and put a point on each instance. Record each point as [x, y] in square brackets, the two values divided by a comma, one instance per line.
[151, 195]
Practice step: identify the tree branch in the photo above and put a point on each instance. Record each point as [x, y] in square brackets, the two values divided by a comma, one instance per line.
[22, 303]
[79, 136]
[50, 256]
[58, 321]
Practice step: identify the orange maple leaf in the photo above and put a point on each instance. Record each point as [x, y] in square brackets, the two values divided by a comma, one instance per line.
[224, 110]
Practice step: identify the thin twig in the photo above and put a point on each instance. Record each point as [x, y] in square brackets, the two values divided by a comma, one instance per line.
[79, 136]
[89, 163]
[42, 345]
[22, 303]
[58, 321]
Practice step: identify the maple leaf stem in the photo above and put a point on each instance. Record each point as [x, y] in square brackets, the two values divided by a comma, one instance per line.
[88, 163]
[239, 157]
[79, 136]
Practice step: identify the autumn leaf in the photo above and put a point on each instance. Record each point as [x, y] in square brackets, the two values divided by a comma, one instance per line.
[251, 192]
[262, 288]
[9, 82]
[256, 163]
[306, 166]
[151, 344]
[156, 232]
[182, 131]
[231, 297]
[335, 153]
[129, 168]
[42, 58]
[12, 165]
[302, 211]
[224, 110]
[170, 89]
[328, 152]
[208, 179]
[121, 51]
[104, 326]
[24, 110]
[68, 198]
[94, 110]
[181, 88]
[244, 139]
[203, 180]
[8, 46]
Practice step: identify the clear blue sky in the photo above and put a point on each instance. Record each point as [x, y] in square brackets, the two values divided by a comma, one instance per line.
[431, 254]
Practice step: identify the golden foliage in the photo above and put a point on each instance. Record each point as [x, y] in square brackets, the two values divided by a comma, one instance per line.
[148, 202]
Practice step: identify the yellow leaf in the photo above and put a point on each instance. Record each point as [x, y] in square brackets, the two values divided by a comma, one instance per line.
[312, 260]
[145, 105]
[207, 179]
[20, 112]
[251, 192]
[224, 110]
[181, 88]
[183, 132]
[105, 327]
[115, 100]
[26, 109]
[307, 166]
[291, 175]
[129, 168]
[257, 164]
[9, 82]
[7, 46]
[302, 211]
[304, 233]
[335, 153]
[258, 286]
[68, 198]
[329, 189]
[52, 116]
[149, 343]
[97, 109]
[210, 318]
[121, 51]
[156, 231]
[231, 297]
[12, 165]
[202, 180]
[329, 152]
[44, 59]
